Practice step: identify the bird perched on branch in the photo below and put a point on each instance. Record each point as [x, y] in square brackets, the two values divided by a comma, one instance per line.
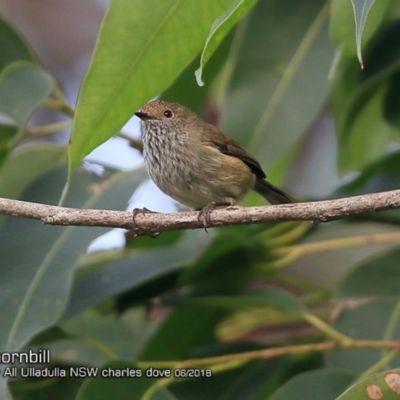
[196, 164]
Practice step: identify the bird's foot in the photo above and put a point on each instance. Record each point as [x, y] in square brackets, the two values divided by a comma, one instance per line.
[205, 212]
[143, 211]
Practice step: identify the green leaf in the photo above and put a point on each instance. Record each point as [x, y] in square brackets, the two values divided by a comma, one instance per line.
[220, 28]
[248, 382]
[349, 20]
[25, 164]
[35, 283]
[383, 385]
[361, 9]
[323, 384]
[379, 176]
[108, 277]
[122, 388]
[97, 337]
[391, 103]
[13, 46]
[23, 88]
[60, 389]
[365, 319]
[182, 333]
[7, 132]
[377, 277]
[142, 47]
[186, 91]
[282, 52]
[363, 132]
[361, 144]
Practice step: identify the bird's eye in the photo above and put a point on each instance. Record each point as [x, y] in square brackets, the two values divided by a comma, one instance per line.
[168, 114]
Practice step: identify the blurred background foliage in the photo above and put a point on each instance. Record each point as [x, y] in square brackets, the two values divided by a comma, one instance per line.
[284, 79]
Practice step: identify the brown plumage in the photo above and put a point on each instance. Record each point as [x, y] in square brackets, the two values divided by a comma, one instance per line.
[195, 163]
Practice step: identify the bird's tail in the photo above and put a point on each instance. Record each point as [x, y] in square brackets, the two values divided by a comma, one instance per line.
[271, 193]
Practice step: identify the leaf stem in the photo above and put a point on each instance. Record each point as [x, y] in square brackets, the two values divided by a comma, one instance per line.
[59, 105]
[48, 129]
[324, 327]
[292, 253]
[275, 352]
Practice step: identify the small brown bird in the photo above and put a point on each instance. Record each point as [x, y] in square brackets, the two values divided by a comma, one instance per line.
[196, 164]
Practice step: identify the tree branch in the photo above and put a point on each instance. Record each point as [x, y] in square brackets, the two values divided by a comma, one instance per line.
[154, 223]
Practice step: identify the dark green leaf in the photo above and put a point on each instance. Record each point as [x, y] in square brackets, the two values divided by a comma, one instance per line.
[39, 389]
[243, 383]
[182, 333]
[7, 132]
[364, 134]
[142, 47]
[13, 45]
[392, 103]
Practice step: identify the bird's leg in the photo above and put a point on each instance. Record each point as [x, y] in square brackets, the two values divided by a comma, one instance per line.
[205, 212]
[143, 210]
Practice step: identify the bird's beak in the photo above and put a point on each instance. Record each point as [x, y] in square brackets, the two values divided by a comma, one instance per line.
[143, 116]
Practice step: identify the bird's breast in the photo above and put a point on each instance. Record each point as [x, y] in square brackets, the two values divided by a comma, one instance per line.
[193, 173]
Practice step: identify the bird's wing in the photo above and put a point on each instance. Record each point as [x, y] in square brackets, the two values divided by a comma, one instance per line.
[228, 146]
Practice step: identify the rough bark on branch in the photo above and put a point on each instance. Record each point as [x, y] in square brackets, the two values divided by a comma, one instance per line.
[153, 223]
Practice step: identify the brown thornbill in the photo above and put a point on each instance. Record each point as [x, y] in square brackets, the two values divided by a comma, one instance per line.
[195, 163]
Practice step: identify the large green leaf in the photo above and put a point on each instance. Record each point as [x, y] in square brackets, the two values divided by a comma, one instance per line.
[141, 49]
[35, 281]
[282, 52]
